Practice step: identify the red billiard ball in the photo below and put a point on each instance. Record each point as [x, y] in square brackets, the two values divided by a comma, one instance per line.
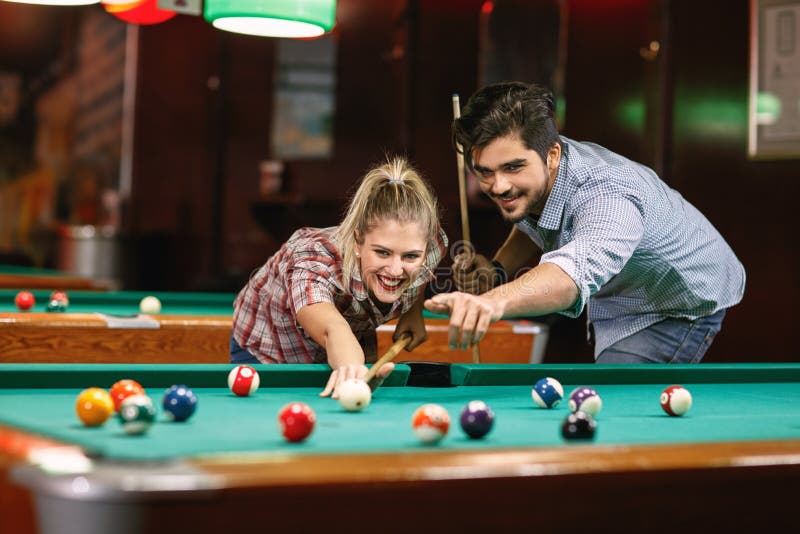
[24, 300]
[243, 380]
[122, 389]
[296, 421]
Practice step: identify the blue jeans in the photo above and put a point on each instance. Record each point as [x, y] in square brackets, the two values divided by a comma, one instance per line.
[668, 341]
[239, 355]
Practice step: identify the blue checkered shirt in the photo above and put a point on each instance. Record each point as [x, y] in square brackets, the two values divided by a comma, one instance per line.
[637, 250]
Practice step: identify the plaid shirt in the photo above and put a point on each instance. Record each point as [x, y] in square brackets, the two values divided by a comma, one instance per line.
[307, 270]
[637, 250]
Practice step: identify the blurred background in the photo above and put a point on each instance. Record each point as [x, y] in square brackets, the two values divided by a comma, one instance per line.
[167, 154]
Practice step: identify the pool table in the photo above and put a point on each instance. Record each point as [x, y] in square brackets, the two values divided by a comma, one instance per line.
[732, 463]
[22, 277]
[103, 327]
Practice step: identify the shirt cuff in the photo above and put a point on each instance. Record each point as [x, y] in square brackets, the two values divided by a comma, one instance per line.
[568, 266]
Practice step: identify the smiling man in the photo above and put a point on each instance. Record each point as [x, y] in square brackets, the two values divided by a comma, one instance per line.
[655, 274]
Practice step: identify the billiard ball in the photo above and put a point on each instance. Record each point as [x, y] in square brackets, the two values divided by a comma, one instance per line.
[354, 394]
[676, 400]
[179, 403]
[547, 392]
[296, 421]
[137, 414]
[94, 406]
[477, 419]
[24, 300]
[430, 423]
[60, 296]
[56, 306]
[150, 304]
[578, 426]
[122, 389]
[586, 400]
[243, 380]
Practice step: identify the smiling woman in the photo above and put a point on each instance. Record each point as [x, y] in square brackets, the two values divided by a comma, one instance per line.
[320, 298]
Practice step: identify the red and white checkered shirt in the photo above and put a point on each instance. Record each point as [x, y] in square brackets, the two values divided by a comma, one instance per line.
[307, 270]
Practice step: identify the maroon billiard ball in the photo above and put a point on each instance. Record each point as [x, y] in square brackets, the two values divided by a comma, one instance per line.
[296, 421]
[24, 300]
[676, 400]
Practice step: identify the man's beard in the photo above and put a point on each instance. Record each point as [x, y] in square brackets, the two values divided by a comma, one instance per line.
[507, 217]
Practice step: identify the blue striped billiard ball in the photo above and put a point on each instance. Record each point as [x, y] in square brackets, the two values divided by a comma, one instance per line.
[547, 392]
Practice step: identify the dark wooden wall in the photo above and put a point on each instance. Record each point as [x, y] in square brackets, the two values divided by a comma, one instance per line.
[682, 111]
[750, 202]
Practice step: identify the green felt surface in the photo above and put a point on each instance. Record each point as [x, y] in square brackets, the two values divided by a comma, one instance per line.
[6, 268]
[722, 410]
[127, 302]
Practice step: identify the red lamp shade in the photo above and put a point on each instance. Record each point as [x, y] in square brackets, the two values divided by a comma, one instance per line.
[145, 12]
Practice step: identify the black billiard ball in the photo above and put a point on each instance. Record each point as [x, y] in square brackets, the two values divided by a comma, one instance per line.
[578, 425]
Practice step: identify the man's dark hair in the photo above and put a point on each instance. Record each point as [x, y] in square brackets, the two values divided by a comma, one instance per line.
[508, 108]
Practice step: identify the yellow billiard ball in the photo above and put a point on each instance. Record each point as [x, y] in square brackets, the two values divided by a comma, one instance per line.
[94, 406]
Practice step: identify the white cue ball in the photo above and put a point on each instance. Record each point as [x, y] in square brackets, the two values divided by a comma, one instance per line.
[354, 394]
[150, 305]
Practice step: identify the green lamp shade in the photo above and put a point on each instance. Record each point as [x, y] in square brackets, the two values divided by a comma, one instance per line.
[768, 108]
[273, 18]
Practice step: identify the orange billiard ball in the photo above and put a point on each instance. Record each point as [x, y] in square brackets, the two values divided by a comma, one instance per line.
[24, 300]
[94, 406]
[430, 423]
[122, 389]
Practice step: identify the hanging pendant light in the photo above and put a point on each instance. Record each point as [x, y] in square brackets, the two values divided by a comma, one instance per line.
[113, 6]
[143, 12]
[56, 2]
[276, 18]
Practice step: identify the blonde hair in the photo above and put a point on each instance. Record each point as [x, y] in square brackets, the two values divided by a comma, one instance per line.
[392, 191]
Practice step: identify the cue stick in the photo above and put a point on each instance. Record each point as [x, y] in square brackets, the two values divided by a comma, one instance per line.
[398, 345]
[462, 197]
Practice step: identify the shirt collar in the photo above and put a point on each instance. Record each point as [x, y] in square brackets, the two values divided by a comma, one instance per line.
[357, 286]
[554, 207]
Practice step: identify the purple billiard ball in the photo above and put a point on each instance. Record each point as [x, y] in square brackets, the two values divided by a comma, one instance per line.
[586, 400]
[179, 402]
[477, 419]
